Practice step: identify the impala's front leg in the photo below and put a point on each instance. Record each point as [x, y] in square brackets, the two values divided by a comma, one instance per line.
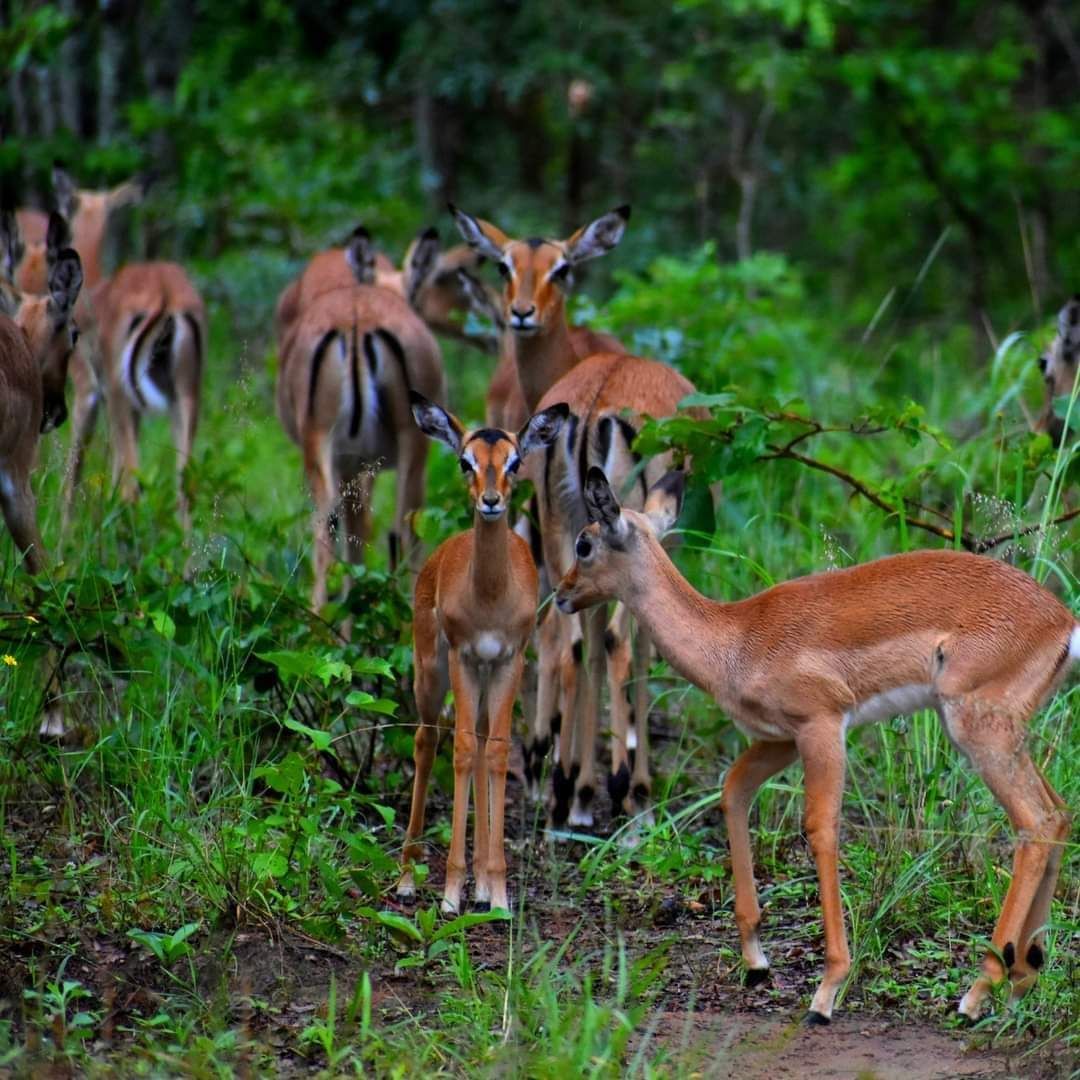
[588, 699]
[466, 705]
[821, 747]
[501, 694]
[752, 768]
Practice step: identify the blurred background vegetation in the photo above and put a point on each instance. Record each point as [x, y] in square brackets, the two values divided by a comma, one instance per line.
[918, 151]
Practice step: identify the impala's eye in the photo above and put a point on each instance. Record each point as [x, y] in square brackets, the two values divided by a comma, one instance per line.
[583, 547]
[504, 271]
[561, 273]
[466, 466]
[513, 465]
[74, 336]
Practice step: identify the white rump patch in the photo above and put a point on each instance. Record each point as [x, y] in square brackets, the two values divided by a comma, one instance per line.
[1074, 643]
[899, 701]
[139, 364]
[7, 488]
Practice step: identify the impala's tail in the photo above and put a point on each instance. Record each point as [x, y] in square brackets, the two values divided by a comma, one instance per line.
[1074, 644]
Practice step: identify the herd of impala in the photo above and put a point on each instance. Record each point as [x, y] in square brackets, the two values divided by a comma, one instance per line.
[361, 387]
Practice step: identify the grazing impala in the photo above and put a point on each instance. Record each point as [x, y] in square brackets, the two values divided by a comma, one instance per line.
[475, 608]
[348, 363]
[797, 665]
[1059, 366]
[150, 328]
[37, 337]
[607, 394]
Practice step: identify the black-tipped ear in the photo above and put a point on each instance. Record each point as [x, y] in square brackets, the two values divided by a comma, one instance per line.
[67, 191]
[65, 280]
[600, 502]
[598, 237]
[421, 261]
[12, 247]
[360, 255]
[483, 237]
[543, 428]
[57, 236]
[435, 422]
[664, 500]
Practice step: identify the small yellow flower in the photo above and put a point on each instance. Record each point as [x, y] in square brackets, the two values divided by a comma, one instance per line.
[9, 660]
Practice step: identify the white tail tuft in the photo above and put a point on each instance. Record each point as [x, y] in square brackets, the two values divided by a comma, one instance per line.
[1074, 643]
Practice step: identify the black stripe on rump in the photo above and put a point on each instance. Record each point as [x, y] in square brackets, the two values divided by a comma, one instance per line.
[316, 363]
[196, 333]
[354, 374]
[146, 325]
[394, 346]
[629, 433]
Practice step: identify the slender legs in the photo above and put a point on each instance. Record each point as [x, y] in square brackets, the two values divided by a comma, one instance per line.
[752, 768]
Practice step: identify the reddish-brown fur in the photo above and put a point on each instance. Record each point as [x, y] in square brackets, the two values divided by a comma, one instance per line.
[600, 389]
[794, 666]
[341, 468]
[475, 606]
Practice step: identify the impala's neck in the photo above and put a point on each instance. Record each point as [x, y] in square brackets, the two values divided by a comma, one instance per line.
[490, 569]
[695, 635]
[542, 359]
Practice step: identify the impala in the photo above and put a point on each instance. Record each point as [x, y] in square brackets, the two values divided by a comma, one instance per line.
[37, 337]
[348, 363]
[607, 394]
[799, 664]
[430, 279]
[150, 338]
[474, 611]
[1059, 367]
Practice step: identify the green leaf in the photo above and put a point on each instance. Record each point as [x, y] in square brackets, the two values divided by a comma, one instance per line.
[162, 622]
[321, 740]
[361, 699]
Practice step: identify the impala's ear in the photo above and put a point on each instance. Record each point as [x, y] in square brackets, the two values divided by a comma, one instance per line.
[1069, 324]
[130, 192]
[67, 191]
[65, 281]
[12, 247]
[483, 237]
[360, 255]
[543, 428]
[435, 422]
[603, 507]
[664, 501]
[598, 237]
[420, 262]
[483, 301]
[57, 236]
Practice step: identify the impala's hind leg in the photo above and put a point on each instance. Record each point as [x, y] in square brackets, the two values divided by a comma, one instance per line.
[318, 465]
[546, 710]
[619, 657]
[990, 730]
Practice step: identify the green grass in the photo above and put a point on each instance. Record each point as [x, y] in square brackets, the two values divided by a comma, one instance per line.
[199, 881]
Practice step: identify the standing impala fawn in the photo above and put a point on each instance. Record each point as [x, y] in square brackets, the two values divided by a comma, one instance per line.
[349, 358]
[37, 337]
[608, 394]
[475, 607]
[797, 665]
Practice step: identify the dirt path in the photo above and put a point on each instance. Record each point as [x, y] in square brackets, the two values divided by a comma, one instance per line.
[741, 1046]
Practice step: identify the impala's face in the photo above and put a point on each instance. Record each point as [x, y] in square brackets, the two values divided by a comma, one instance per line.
[597, 571]
[1059, 366]
[608, 552]
[490, 460]
[50, 330]
[489, 457]
[537, 273]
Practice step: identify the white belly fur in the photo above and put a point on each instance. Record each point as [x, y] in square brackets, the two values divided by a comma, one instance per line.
[899, 701]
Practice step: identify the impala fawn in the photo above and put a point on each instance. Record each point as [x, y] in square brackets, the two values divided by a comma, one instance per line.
[475, 608]
[608, 394]
[797, 665]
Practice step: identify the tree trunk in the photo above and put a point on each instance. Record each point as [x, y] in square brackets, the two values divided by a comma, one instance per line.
[68, 71]
[110, 66]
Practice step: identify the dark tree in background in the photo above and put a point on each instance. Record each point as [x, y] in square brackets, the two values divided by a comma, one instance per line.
[875, 145]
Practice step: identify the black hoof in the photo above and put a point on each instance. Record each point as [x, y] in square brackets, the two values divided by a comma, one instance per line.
[757, 976]
[618, 785]
[481, 905]
[1035, 956]
[816, 1019]
[1008, 954]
